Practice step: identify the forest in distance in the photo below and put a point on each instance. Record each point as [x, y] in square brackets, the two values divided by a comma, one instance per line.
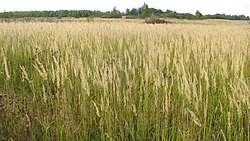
[142, 12]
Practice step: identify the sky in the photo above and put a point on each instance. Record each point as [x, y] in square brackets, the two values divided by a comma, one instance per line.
[230, 7]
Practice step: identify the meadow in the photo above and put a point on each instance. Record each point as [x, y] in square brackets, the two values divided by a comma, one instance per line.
[125, 81]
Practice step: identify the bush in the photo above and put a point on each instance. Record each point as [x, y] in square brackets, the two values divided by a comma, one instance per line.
[156, 21]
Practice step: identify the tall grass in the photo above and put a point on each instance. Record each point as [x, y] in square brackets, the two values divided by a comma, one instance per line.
[124, 81]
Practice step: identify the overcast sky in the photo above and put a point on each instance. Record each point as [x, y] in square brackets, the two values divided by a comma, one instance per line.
[232, 7]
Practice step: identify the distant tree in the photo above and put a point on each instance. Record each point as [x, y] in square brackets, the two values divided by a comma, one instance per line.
[76, 14]
[115, 13]
[156, 12]
[186, 16]
[127, 12]
[61, 13]
[198, 15]
[134, 12]
[144, 11]
[112, 14]
[170, 14]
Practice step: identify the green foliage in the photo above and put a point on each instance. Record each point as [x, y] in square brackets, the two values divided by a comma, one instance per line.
[112, 14]
[198, 15]
[132, 12]
[115, 13]
[142, 12]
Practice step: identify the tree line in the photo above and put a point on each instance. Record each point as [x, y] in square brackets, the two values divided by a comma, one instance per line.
[142, 12]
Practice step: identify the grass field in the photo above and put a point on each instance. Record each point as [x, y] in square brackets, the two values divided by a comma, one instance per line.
[125, 81]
